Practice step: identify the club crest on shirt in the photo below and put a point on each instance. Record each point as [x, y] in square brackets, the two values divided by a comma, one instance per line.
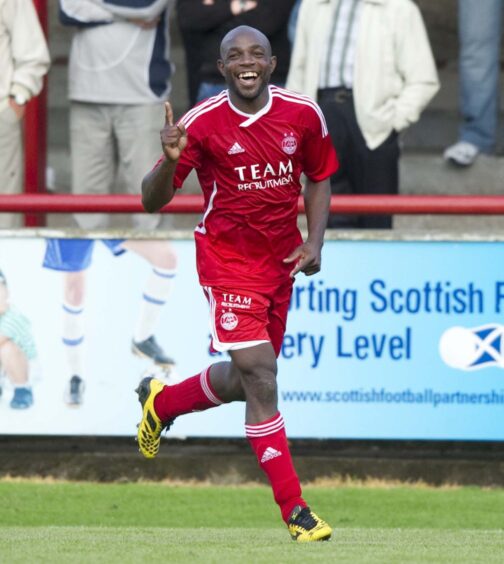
[228, 321]
[289, 144]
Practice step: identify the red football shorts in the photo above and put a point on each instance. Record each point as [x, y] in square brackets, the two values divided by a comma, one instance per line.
[241, 318]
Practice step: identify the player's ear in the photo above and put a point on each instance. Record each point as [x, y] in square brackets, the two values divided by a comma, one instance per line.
[220, 66]
[273, 63]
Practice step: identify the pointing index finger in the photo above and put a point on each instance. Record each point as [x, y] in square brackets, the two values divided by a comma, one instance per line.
[168, 114]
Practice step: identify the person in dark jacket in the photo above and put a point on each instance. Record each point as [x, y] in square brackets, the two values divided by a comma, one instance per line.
[203, 24]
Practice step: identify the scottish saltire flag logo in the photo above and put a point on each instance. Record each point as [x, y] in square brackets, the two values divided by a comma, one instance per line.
[473, 348]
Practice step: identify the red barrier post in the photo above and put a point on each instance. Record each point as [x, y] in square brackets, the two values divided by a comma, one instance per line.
[35, 136]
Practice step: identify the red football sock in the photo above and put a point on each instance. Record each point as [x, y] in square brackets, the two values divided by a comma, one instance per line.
[194, 394]
[269, 442]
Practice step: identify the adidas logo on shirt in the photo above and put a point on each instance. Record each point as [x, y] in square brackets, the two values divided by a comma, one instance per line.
[269, 454]
[235, 149]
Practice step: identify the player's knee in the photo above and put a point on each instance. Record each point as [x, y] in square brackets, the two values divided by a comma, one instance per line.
[257, 367]
[260, 383]
[236, 390]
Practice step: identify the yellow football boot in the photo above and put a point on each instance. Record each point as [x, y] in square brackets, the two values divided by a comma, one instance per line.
[305, 526]
[151, 426]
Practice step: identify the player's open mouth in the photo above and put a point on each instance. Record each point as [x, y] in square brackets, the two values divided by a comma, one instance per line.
[248, 77]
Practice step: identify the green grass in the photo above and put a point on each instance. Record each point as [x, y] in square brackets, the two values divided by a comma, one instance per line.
[130, 523]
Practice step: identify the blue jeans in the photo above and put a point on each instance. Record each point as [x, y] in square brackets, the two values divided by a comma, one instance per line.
[480, 25]
[291, 26]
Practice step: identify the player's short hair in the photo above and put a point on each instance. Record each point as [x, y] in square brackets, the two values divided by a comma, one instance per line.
[244, 29]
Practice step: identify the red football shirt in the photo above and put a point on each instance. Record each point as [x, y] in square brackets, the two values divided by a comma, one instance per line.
[249, 168]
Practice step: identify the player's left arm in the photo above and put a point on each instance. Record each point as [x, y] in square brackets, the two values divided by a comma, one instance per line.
[319, 162]
[307, 257]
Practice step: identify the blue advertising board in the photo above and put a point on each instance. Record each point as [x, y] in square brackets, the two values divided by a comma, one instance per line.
[392, 340]
[398, 340]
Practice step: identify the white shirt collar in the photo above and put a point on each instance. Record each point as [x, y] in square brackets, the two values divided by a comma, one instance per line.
[252, 118]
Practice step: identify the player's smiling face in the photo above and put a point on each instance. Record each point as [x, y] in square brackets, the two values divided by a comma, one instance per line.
[247, 65]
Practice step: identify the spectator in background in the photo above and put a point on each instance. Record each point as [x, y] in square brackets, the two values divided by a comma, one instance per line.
[291, 29]
[119, 75]
[204, 23]
[480, 30]
[24, 60]
[370, 66]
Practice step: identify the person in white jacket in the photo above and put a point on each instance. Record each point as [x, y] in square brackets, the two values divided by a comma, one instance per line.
[24, 60]
[370, 66]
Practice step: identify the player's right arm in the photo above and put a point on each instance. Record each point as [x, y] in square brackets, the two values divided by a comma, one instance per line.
[157, 185]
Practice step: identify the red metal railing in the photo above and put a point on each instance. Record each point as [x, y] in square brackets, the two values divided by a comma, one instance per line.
[182, 203]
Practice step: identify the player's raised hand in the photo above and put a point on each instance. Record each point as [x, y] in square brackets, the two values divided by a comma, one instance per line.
[173, 137]
[306, 258]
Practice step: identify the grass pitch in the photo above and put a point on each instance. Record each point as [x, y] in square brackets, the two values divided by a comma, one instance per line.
[133, 523]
